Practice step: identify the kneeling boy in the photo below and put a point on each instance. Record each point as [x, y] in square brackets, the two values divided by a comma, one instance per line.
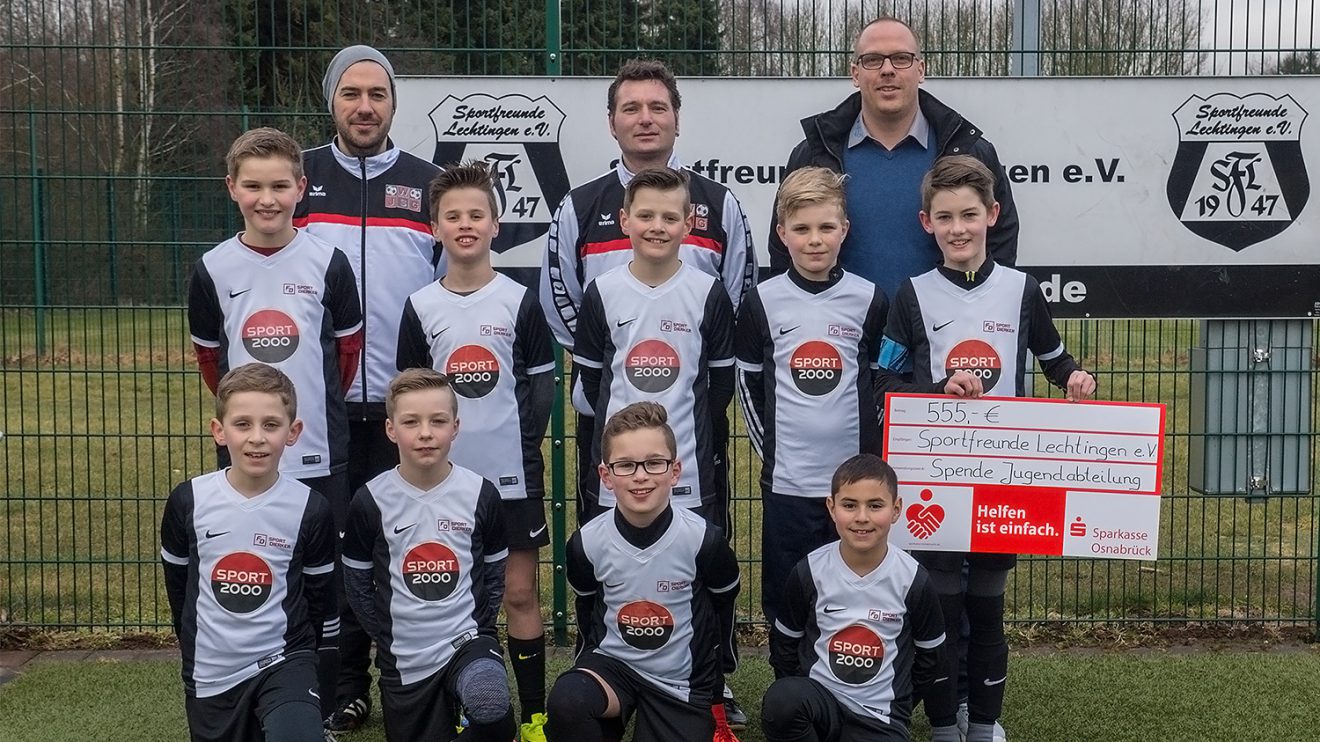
[655, 589]
[861, 628]
[424, 571]
[249, 559]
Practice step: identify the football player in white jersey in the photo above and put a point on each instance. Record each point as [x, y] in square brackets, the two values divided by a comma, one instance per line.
[249, 558]
[861, 633]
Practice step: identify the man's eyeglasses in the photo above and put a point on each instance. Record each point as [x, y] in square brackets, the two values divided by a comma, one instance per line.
[629, 468]
[900, 60]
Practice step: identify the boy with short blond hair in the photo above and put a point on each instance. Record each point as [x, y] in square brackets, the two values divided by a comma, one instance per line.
[423, 566]
[861, 633]
[487, 332]
[806, 344]
[658, 329]
[274, 294]
[656, 586]
[249, 557]
[964, 328]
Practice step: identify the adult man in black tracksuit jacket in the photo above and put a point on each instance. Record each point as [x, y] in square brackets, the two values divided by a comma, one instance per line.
[368, 198]
[887, 114]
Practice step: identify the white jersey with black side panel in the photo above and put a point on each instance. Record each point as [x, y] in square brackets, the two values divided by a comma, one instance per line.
[657, 344]
[285, 310]
[652, 607]
[812, 354]
[938, 327]
[428, 552]
[585, 240]
[244, 606]
[489, 343]
[857, 634]
[374, 209]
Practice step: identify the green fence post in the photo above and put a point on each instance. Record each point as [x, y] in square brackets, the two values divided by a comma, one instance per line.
[112, 236]
[558, 483]
[38, 235]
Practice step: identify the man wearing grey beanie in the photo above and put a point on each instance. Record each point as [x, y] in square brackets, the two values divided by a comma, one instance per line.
[368, 198]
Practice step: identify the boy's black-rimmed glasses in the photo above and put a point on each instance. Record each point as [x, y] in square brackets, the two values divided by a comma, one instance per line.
[627, 468]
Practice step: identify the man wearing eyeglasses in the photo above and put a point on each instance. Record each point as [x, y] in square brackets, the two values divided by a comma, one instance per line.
[885, 137]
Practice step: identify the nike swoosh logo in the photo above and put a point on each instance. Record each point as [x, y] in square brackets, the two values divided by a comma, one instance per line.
[786, 330]
[537, 532]
[215, 535]
[996, 682]
[401, 529]
[438, 333]
[615, 586]
[522, 656]
[937, 328]
[495, 652]
[314, 694]
[622, 322]
[233, 293]
[835, 609]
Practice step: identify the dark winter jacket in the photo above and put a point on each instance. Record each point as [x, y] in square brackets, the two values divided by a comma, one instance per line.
[827, 137]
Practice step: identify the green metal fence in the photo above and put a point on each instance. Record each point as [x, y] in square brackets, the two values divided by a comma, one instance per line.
[113, 124]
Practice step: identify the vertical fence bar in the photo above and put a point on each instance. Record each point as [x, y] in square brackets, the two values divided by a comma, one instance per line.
[38, 235]
[554, 65]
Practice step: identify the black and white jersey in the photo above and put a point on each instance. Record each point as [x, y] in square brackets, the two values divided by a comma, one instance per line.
[428, 552]
[657, 344]
[585, 241]
[857, 636]
[375, 210]
[807, 359]
[654, 608]
[259, 574]
[985, 322]
[490, 343]
[285, 310]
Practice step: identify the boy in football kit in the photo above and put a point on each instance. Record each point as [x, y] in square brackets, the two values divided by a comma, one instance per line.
[277, 295]
[964, 328]
[423, 567]
[486, 332]
[806, 341]
[861, 628]
[655, 587]
[249, 557]
[658, 329]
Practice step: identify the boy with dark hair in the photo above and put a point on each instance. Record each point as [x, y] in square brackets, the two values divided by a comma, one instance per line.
[970, 323]
[806, 343]
[423, 568]
[655, 589]
[657, 329]
[861, 631]
[249, 558]
[277, 295]
[487, 333]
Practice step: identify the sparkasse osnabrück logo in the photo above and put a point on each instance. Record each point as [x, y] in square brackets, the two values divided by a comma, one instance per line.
[1239, 177]
[518, 138]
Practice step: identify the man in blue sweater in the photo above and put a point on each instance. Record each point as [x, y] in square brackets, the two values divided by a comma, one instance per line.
[885, 137]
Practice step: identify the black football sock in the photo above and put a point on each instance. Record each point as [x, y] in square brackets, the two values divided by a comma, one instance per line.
[528, 659]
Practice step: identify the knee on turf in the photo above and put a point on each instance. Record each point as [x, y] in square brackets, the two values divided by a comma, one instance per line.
[781, 709]
[483, 689]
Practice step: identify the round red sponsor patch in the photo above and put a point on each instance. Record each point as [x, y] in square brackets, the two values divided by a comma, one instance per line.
[816, 368]
[976, 357]
[651, 366]
[473, 370]
[270, 336]
[430, 570]
[241, 582]
[645, 625]
[856, 654]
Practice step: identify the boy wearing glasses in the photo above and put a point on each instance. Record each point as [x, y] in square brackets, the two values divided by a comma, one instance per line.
[655, 587]
[885, 137]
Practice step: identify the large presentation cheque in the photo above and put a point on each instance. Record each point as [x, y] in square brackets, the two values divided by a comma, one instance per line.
[1026, 476]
